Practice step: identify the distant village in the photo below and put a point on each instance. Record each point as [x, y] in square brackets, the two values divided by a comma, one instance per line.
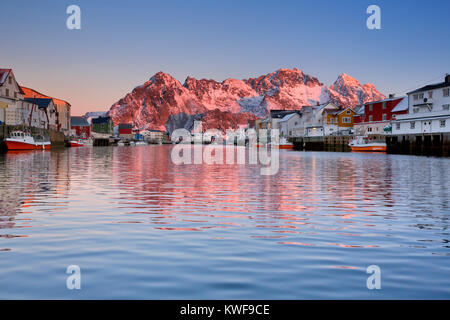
[419, 120]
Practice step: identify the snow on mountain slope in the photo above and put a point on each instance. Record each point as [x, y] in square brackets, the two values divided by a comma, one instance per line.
[153, 103]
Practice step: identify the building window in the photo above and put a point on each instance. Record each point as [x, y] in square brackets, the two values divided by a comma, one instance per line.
[346, 120]
[413, 125]
[7, 92]
[420, 95]
[369, 129]
[416, 109]
[384, 105]
[416, 96]
[349, 112]
[15, 95]
[446, 92]
[445, 106]
[9, 80]
[370, 107]
[442, 123]
[384, 116]
[397, 126]
[331, 120]
[430, 94]
[370, 118]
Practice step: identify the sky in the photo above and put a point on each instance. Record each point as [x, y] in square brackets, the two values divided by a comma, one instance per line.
[121, 44]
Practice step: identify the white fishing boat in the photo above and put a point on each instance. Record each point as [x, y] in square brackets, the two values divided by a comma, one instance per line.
[20, 140]
[366, 144]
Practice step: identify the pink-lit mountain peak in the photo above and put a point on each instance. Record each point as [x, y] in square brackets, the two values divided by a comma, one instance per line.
[162, 96]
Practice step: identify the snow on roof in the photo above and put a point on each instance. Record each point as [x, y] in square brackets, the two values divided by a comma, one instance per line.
[401, 106]
[359, 110]
[287, 117]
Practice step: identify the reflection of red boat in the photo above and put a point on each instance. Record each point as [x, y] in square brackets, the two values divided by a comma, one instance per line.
[282, 144]
[19, 140]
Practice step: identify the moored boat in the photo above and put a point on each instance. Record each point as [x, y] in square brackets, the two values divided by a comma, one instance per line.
[19, 140]
[285, 144]
[76, 143]
[365, 144]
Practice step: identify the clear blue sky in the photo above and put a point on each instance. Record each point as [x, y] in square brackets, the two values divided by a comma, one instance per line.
[123, 43]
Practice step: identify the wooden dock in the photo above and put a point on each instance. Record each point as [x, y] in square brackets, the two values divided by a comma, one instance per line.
[433, 144]
[413, 144]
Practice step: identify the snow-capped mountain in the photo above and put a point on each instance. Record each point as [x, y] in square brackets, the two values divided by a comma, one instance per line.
[232, 102]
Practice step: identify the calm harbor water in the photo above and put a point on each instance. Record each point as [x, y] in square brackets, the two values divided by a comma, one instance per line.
[141, 227]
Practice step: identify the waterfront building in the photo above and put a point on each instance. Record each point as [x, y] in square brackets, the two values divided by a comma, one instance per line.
[48, 108]
[11, 95]
[62, 109]
[124, 130]
[274, 121]
[428, 110]
[288, 124]
[102, 124]
[33, 116]
[153, 135]
[327, 119]
[80, 127]
[375, 117]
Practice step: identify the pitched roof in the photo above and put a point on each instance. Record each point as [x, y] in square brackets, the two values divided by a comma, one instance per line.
[288, 116]
[359, 110]
[383, 100]
[4, 73]
[278, 114]
[432, 87]
[31, 93]
[101, 120]
[342, 110]
[401, 106]
[41, 102]
[79, 122]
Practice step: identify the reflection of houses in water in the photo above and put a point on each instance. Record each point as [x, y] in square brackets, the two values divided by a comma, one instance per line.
[28, 177]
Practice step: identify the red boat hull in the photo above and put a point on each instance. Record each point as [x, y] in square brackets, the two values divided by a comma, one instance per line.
[369, 148]
[16, 145]
[75, 144]
[286, 146]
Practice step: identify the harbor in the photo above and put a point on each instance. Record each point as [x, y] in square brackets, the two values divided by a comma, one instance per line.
[224, 159]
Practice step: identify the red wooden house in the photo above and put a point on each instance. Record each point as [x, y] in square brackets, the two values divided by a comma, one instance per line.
[375, 117]
[80, 127]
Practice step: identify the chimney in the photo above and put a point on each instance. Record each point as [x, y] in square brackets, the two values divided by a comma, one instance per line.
[391, 95]
[447, 78]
